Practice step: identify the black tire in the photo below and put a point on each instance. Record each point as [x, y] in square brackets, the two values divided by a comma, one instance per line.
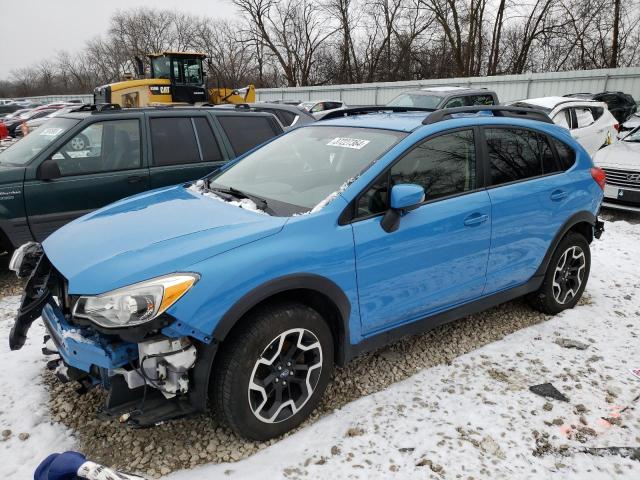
[234, 402]
[562, 278]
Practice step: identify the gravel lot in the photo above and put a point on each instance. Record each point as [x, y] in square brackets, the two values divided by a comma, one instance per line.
[198, 440]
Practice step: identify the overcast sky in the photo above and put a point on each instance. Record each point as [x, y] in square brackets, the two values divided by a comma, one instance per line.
[35, 29]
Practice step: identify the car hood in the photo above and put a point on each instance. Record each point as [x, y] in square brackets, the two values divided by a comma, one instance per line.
[624, 155]
[148, 235]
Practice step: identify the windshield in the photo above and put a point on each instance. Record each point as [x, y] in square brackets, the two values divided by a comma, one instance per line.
[415, 100]
[307, 105]
[160, 67]
[633, 136]
[25, 150]
[308, 165]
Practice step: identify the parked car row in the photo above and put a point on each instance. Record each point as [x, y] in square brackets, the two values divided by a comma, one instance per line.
[26, 119]
[83, 159]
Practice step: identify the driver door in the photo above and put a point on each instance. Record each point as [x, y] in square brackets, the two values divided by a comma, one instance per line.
[100, 164]
[437, 258]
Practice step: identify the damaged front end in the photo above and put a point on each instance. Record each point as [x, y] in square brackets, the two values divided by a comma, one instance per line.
[115, 341]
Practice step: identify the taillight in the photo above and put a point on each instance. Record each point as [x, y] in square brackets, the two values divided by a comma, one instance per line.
[599, 176]
[616, 126]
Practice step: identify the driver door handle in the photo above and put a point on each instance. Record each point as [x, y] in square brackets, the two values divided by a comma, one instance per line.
[134, 179]
[475, 219]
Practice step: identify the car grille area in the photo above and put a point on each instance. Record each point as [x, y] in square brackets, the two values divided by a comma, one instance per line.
[623, 178]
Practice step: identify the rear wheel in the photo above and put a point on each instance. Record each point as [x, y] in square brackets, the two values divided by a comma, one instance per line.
[273, 372]
[566, 276]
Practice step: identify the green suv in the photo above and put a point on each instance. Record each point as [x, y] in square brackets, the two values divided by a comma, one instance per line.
[83, 160]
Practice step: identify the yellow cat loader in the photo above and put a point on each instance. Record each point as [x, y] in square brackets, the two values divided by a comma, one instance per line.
[176, 79]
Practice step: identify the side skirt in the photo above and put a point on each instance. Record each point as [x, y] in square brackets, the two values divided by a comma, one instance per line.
[420, 326]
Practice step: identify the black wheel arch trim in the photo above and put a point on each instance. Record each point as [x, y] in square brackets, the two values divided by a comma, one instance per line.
[305, 281]
[575, 219]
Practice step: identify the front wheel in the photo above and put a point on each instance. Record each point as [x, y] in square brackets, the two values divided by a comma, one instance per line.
[273, 372]
[566, 276]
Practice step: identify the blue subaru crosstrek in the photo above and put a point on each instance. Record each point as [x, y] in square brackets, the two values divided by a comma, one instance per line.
[243, 289]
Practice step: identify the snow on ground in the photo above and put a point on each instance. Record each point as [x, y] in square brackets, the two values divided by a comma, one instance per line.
[474, 418]
[23, 403]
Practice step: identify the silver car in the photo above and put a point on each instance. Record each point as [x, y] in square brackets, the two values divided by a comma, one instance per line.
[621, 162]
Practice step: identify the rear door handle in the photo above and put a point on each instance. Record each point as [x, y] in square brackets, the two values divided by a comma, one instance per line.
[557, 195]
[134, 179]
[475, 219]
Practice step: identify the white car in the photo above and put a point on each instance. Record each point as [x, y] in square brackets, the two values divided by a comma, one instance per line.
[621, 163]
[590, 122]
[320, 108]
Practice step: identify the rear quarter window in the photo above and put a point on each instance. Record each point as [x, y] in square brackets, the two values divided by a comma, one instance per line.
[566, 154]
[246, 132]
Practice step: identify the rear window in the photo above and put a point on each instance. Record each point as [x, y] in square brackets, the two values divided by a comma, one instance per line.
[517, 154]
[208, 143]
[173, 141]
[566, 154]
[246, 132]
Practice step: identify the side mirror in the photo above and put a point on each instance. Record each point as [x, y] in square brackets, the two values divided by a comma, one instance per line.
[404, 197]
[48, 170]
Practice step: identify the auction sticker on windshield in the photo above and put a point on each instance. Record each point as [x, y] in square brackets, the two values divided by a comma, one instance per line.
[52, 132]
[346, 142]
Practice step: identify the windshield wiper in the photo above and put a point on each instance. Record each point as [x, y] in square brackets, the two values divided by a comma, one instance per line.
[260, 202]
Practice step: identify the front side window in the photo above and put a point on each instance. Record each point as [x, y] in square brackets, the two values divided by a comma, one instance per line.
[101, 147]
[517, 154]
[309, 164]
[192, 71]
[444, 165]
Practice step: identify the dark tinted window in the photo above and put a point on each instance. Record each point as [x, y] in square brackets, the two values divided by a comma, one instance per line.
[246, 132]
[454, 102]
[517, 154]
[285, 117]
[444, 165]
[208, 143]
[373, 200]
[480, 100]
[566, 154]
[173, 141]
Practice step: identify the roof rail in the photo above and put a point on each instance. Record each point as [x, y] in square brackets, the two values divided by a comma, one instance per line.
[99, 107]
[497, 110]
[372, 109]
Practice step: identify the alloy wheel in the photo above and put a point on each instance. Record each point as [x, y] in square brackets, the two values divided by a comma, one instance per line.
[285, 375]
[77, 143]
[569, 274]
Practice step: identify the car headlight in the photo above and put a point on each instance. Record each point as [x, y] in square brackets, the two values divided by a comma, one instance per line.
[137, 303]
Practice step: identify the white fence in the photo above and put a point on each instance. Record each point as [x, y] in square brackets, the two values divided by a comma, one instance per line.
[84, 98]
[508, 87]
